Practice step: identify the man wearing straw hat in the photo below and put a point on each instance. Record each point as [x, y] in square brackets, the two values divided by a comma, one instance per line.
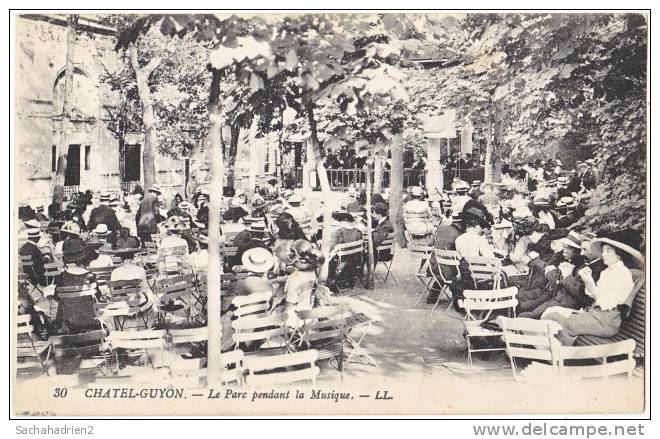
[104, 214]
[612, 293]
[30, 248]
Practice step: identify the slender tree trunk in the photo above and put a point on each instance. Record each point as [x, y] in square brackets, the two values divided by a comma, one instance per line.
[231, 155]
[379, 165]
[65, 123]
[214, 270]
[396, 189]
[148, 119]
[325, 185]
[493, 165]
[253, 149]
[370, 241]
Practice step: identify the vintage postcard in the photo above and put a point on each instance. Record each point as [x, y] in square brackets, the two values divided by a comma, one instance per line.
[341, 213]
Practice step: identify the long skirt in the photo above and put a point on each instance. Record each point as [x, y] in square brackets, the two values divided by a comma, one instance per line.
[593, 321]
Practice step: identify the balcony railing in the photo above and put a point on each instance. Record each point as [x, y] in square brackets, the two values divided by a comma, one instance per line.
[341, 179]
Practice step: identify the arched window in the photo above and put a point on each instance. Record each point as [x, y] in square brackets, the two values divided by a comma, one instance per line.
[85, 94]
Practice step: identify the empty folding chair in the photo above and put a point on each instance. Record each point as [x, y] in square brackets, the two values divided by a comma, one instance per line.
[422, 253]
[137, 344]
[323, 330]
[597, 361]
[172, 260]
[73, 353]
[281, 369]
[481, 306]
[529, 340]
[30, 348]
[174, 294]
[384, 255]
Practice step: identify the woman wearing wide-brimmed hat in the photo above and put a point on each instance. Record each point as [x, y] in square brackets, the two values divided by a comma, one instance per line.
[612, 293]
[77, 314]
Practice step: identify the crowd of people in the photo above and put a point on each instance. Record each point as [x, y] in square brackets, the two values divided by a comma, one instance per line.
[528, 222]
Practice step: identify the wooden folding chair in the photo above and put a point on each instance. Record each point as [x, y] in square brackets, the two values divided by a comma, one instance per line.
[450, 259]
[127, 301]
[174, 294]
[137, 342]
[195, 370]
[357, 327]
[281, 369]
[350, 253]
[323, 330]
[528, 339]
[597, 361]
[173, 254]
[27, 266]
[480, 306]
[29, 348]
[261, 333]
[252, 305]
[485, 272]
[384, 255]
[86, 346]
[423, 254]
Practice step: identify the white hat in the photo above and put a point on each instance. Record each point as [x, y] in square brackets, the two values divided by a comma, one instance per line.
[101, 230]
[257, 260]
[32, 224]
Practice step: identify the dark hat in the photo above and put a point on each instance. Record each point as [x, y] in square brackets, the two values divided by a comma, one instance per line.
[557, 234]
[477, 214]
[342, 216]
[380, 209]
[74, 250]
[456, 218]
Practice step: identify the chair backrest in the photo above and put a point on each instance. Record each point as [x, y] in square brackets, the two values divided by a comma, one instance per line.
[259, 328]
[450, 259]
[26, 261]
[528, 338]
[485, 269]
[76, 291]
[129, 291]
[420, 251]
[52, 269]
[263, 370]
[634, 324]
[386, 246]
[189, 335]
[145, 339]
[612, 358]
[349, 248]
[323, 323]
[255, 304]
[102, 274]
[151, 247]
[23, 326]
[489, 301]
[174, 287]
[84, 344]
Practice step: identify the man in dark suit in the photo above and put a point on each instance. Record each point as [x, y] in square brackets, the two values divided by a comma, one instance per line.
[104, 214]
[30, 248]
[383, 226]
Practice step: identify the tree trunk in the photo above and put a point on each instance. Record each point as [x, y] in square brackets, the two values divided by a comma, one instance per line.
[214, 271]
[325, 185]
[148, 119]
[370, 241]
[65, 123]
[493, 165]
[396, 189]
[253, 147]
[379, 165]
[231, 154]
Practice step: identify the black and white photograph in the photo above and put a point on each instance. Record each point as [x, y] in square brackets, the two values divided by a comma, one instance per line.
[341, 213]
